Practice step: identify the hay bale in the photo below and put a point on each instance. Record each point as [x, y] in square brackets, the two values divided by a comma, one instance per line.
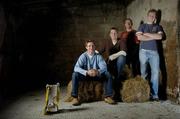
[87, 91]
[135, 90]
[68, 97]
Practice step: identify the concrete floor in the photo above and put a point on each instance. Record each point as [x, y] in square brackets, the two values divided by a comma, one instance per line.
[30, 106]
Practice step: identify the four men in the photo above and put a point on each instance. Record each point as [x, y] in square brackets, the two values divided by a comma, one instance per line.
[91, 65]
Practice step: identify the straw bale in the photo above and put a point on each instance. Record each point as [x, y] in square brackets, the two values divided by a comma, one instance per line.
[135, 90]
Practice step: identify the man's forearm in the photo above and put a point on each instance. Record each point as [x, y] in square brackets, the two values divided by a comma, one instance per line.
[149, 37]
[116, 55]
[80, 70]
[156, 36]
[144, 38]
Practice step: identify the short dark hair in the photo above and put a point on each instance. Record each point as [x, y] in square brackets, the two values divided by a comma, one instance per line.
[152, 10]
[129, 20]
[113, 28]
[88, 40]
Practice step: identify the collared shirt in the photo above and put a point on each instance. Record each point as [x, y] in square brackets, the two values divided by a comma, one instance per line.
[86, 63]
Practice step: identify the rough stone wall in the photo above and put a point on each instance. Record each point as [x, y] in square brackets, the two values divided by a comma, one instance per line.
[178, 51]
[43, 42]
[169, 22]
[2, 32]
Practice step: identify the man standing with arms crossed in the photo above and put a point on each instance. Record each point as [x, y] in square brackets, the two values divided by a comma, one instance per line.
[148, 34]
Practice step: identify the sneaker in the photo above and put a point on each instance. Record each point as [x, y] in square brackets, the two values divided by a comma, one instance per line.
[75, 102]
[109, 100]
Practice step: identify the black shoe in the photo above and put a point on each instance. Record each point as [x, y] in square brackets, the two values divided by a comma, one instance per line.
[154, 99]
[117, 99]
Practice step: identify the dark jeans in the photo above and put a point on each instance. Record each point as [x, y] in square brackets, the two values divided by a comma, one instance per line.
[116, 68]
[76, 77]
[133, 60]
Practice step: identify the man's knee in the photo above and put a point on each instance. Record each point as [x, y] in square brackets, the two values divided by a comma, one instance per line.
[121, 57]
[107, 75]
[76, 76]
[121, 60]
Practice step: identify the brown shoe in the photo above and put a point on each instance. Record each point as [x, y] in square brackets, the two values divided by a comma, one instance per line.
[109, 100]
[75, 102]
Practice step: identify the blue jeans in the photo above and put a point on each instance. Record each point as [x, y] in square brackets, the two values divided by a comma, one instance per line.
[115, 67]
[120, 63]
[76, 77]
[151, 57]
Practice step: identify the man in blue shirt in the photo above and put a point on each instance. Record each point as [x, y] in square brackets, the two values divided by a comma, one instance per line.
[148, 34]
[91, 66]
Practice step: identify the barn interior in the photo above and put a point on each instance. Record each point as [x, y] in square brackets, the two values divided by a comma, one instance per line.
[40, 40]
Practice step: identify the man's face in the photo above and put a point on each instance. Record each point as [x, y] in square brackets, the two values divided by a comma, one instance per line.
[128, 24]
[151, 17]
[90, 48]
[113, 34]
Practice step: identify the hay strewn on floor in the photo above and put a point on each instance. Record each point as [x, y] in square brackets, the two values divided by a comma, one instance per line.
[135, 90]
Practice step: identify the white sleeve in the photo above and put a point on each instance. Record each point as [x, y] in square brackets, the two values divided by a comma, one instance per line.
[116, 55]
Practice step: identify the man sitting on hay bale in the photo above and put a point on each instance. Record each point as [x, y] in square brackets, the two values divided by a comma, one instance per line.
[91, 66]
[115, 49]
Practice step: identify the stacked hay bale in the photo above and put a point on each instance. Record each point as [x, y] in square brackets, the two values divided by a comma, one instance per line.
[88, 91]
[135, 90]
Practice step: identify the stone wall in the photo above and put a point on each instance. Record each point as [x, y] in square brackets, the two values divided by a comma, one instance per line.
[2, 32]
[178, 51]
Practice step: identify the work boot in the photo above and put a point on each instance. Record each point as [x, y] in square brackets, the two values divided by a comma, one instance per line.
[109, 100]
[75, 102]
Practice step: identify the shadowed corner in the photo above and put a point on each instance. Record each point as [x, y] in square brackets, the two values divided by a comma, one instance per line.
[67, 110]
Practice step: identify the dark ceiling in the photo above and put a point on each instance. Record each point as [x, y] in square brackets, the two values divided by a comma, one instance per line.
[28, 7]
[62, 3]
